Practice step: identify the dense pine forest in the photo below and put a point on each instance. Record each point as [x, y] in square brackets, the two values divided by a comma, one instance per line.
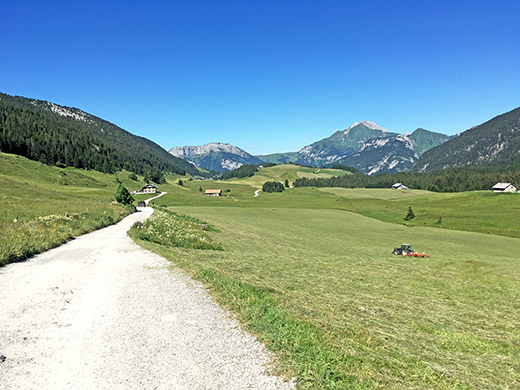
[448, 180]
[247, 170]
[59, 135]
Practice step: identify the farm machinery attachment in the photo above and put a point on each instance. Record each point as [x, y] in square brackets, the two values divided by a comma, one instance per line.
[406, 250]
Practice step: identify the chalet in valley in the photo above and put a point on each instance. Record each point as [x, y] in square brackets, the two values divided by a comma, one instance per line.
[147, 189]
[399, 186]
[213, 192]
[504, 187]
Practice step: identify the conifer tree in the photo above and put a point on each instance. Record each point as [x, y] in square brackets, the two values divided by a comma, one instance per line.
[123, 196]
[410, 214]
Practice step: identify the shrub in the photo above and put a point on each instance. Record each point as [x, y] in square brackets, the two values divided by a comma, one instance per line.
[180, 182]
[123, 196]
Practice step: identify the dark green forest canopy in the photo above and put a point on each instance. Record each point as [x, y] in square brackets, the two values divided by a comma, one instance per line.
[448, 180]
[54, 134]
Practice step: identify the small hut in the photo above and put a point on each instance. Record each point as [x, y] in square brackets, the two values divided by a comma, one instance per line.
[213, 192]
[399, 186]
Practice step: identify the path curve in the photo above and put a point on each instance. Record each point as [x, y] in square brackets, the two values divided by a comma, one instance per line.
[100, 312]
[155, 197]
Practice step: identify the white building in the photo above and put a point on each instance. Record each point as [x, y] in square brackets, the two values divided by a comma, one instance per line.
[504, 187]
[147, 189]
[399, 186]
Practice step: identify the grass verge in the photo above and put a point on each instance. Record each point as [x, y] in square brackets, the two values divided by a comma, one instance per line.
[175, 230]
[20, 240]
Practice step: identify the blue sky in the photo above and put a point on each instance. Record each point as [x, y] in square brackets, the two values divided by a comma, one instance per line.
[268, 76]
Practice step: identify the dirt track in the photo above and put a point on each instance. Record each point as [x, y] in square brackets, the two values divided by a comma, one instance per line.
[102, 313]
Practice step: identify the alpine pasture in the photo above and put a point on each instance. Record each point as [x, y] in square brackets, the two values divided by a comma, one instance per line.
[318, 284]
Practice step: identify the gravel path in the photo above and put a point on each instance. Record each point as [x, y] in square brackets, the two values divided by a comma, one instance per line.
[102, 313]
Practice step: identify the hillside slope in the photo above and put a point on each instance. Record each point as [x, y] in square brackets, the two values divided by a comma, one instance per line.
[495, 142]
[388, 154]
[423, 140]
[279, 158]
[215, 156]
[51, 134]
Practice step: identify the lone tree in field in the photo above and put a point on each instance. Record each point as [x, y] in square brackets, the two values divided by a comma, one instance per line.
[286, 183]
[181, 183]
[200, 189]
[123, 196]
[409, 215]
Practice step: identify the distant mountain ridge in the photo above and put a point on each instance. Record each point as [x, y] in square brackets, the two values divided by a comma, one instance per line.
[365, 146]
[50, 133]
[341, 144]
[495, 142]
[215, 156]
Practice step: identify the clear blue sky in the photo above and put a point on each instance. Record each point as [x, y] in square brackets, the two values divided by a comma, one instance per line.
[268, 76]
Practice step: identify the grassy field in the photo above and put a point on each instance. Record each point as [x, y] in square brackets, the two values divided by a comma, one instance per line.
[290, 172]
[318, 284]
[322, 290]
[476, 211]
[309, 271]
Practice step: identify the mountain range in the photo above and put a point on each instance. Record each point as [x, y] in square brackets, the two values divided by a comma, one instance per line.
[61, 135]
[215, 156]
[364, 145]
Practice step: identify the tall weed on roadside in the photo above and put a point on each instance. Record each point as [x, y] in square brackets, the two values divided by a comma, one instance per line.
[174, 230]
[23, 239]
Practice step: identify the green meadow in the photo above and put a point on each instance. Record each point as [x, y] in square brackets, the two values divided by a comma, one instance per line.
[311, 274]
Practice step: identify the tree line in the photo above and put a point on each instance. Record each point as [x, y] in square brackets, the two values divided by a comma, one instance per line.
[448, 180]
[247, 170]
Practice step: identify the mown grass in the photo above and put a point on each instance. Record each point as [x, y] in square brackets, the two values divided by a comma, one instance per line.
[322, 291]
[476, 211]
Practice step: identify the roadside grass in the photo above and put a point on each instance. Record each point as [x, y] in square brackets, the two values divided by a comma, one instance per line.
[322, 291]
[51, 205]
[23, 239]
[175, 230]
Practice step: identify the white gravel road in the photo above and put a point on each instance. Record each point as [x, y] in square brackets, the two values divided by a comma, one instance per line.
[102, 313]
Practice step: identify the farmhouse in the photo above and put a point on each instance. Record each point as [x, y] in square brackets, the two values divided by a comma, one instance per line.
[213, 192]
[504, 187]
[147, 189]
[399, 186]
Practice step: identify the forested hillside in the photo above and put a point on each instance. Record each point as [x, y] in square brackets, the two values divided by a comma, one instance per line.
[54, 134]
[496, 142]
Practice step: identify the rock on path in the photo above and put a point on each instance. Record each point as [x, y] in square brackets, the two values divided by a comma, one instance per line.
[100, 312]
